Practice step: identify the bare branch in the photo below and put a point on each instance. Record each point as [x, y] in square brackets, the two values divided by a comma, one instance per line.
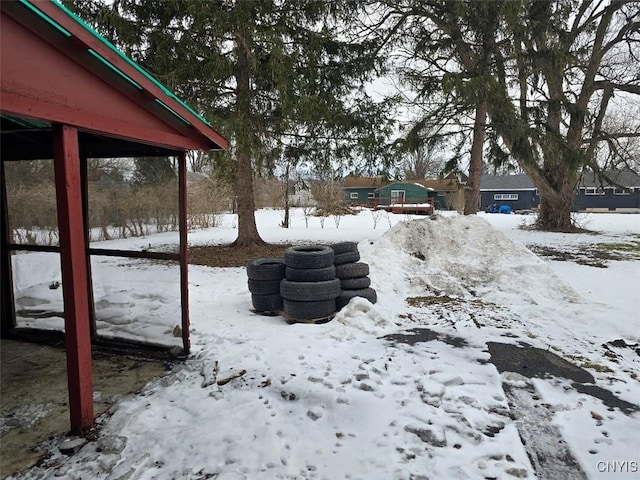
[623, 87]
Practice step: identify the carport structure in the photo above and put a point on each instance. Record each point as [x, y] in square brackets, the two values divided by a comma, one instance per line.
[69, 95]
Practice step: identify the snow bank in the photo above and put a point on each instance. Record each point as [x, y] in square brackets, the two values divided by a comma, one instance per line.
[461, 256]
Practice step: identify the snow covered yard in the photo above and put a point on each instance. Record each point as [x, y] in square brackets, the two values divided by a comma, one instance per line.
[403, 389]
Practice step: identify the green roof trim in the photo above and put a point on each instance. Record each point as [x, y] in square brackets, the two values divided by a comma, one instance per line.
[32, 124]
[115, 69]
[115, 50]
[46, 18]
[167, 107]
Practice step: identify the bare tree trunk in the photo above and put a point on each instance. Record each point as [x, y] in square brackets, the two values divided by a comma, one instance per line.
[472, 193]
[285, 221]
[556, 200]
[554, 214]
[247, 230]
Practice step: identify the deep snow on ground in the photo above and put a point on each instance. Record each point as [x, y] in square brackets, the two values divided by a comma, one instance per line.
[259, 398]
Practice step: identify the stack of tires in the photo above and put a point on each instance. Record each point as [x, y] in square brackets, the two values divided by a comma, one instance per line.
[353, 274]
[264, 277]
[310, 287]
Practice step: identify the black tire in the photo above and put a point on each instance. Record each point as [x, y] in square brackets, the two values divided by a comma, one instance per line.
[310, 274]
[309, 310]
[346, 295]
[266, 269]
[267, 303]
[264, 287]
[343, 247]
[347, 257]
[352, 270]
[357, 283]
[308, 256]
[310, 291]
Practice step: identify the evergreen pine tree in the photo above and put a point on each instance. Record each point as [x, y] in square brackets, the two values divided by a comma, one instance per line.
[279, 78]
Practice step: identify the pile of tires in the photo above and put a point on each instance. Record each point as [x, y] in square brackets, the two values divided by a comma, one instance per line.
[353, 274]
[310, 287]
[264, 277]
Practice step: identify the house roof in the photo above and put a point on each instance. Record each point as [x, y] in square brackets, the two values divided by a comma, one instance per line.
[57, 69]
[441, 185]
[438, 185]
[363, 182]
[405, 182]
[460, 176]
[506, 182]
[626, 178]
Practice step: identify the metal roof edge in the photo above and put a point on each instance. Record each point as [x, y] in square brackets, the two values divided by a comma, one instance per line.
[184, 107]
[133, 64]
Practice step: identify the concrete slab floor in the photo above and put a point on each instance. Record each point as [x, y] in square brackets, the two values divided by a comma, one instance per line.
[34, 396]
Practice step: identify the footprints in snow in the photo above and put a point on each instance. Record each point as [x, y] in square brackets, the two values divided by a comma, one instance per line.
[421, 410]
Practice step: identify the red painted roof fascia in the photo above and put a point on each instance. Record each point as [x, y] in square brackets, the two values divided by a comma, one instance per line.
[87, 39]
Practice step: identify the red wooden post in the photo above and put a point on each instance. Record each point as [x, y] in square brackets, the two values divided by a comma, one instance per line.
[74, 276]
[184, 260]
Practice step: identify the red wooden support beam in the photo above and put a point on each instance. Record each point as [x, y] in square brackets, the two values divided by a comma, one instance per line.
[74, 276]
[184, 260]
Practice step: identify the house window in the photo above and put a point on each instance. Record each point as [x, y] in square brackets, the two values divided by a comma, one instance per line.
[397, 196]
[353, 195]
[621, 191]
[441, 194]
[505, 196]
[593, 191]
[371, 195]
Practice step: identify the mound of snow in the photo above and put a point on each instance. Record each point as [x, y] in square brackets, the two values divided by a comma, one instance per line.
[460, 256]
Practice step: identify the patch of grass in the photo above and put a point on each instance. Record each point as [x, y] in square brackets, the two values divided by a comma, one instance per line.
[621, 250]
[625, 247]
[441, 309]
[430, 300]
[596, 255]
[425, 301]
[586, 363]
[591, 263]
[581, 257]
[573, 229]
[597, 367]
[577, 358]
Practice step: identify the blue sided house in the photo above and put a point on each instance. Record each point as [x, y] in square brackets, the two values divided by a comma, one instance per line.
[617, 191]
[612, 191]
[517, 192]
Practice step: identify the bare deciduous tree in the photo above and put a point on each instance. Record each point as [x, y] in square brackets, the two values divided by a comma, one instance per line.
[422, 162]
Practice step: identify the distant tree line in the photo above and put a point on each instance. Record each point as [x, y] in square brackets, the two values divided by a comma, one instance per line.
[119, 207]
[549, 88]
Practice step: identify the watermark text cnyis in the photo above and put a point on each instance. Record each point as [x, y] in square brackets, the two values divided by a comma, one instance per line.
[618, 466]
